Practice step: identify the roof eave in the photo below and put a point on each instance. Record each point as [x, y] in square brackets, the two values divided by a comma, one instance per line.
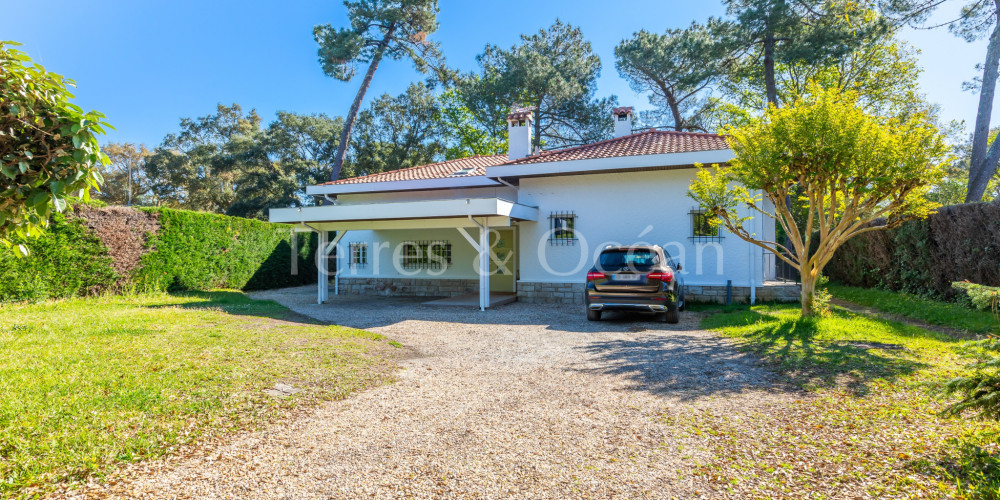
[408, 185]
[616, 163]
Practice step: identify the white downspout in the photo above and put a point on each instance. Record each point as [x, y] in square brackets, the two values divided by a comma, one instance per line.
[501, 181]
[322, 279]
[753, 264]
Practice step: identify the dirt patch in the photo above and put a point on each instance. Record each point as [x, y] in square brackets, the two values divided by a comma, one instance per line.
[124, 231]
[877, 345]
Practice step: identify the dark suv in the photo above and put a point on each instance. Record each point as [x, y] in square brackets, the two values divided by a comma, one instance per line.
[635, 278]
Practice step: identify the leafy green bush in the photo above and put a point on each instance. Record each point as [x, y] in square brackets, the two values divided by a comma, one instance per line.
[188, 251]
[983, 297]
[64, 262]
[979, 390]
[924, 258]
[48, 147]
[201, 251]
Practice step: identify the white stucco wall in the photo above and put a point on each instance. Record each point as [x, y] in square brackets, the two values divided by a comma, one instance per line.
[614, 208]
[626, 208]
[383, 244]
[381, 262]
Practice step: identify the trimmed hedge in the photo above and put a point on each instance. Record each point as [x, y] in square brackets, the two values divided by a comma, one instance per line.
[184, 251]
[924, 257]
[201, 251]
[67, 261]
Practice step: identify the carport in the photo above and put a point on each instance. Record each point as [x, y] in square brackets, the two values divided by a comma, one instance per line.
[462, 215]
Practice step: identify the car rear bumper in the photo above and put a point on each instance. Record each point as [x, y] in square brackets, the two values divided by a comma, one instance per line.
[615, 306]
[616, 302]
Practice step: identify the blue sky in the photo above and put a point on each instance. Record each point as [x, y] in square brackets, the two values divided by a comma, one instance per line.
[146, 64]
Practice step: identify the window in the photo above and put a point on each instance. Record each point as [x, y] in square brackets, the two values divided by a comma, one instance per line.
[426, 254]
[701, 227]
[633, 258]
[459, 173]
[562, 227]
[359, 255]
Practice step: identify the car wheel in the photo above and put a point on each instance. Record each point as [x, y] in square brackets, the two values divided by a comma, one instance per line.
[672, 316]
[683, 305]
[593, 315]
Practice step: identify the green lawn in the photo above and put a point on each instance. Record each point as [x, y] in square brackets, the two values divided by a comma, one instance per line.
[862, 422]
[88, 384]
[933, 312]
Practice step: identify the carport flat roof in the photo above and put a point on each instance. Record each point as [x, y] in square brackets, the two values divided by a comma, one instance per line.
[404, 215]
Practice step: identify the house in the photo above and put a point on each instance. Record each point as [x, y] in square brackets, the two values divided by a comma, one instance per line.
[529, 225]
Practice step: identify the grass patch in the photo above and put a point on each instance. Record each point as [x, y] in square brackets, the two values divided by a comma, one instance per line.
[89, 384]
[864, 423]
[930, 311]
[846, 349]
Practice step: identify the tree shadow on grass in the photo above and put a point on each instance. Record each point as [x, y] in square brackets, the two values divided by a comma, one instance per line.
[238, 304]
[795, 348]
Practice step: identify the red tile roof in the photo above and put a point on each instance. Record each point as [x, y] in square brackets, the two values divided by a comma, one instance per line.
[521, 113]
[649, 142]
[477, 164]
[622, 111]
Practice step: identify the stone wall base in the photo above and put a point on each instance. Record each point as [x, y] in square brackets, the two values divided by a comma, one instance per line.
[547, 293]
[573, 293]
[408, 287]
[550, 293]
[741, 294]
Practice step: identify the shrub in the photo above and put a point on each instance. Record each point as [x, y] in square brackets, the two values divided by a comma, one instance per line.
[64, 262]
[979, 391]
[117, 248]
[48, 147]
[200, 251]
[982, 297]
[958, 243]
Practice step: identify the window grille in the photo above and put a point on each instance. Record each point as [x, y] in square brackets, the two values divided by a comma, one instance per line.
[426, 254]
[359, 255]
[702, 228]
[562, 227]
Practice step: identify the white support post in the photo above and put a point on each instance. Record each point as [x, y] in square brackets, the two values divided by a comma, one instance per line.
[484, 267]
[322, 279]
[331, 247]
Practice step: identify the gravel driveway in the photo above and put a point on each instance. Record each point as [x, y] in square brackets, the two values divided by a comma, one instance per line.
[522, 400]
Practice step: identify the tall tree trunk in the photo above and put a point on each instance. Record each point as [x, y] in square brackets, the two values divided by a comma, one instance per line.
[769, 81]
[983, 165]
[808, 293]
[675, 110]
[129, 203]
[352, 114]
[536, 140]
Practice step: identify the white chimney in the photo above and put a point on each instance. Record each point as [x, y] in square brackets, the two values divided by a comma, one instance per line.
[519, 133]
[623, 121]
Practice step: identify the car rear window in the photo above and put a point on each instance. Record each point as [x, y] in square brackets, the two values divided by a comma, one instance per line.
[638, 259]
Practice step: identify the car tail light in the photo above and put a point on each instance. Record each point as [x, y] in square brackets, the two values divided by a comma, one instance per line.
[665, 276]
[594, 275]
